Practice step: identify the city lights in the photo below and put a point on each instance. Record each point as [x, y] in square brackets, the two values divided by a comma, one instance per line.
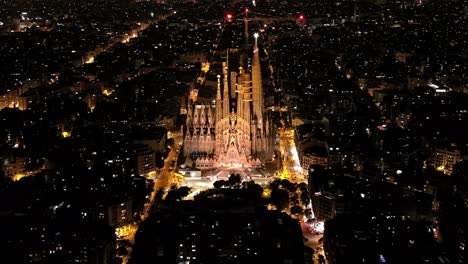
[107, 92]
[66, 134]
[90, 60]
[189, 131]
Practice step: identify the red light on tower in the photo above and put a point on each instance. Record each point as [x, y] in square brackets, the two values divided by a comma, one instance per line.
[301, 17]
[228, 17]
[247, 10]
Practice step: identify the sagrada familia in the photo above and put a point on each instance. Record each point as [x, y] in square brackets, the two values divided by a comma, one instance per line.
[236, 132]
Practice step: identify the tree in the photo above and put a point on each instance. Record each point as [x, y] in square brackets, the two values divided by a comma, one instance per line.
[289, 186]
[305, 196]
[159, 195]
[183, 191]
[235, 180]
[253, 190]
[293, 198]
[280, 198]
[275, 184]
[220, 184]
[175, 195]
[296, 210]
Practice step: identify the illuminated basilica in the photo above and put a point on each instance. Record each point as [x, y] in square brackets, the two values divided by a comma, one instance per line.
[235, 131]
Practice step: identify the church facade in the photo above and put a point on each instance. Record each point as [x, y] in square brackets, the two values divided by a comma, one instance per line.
[235, 132]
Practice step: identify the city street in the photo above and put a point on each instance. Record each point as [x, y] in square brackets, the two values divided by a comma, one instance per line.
[313, 241]
[167, 177]
[291, 167]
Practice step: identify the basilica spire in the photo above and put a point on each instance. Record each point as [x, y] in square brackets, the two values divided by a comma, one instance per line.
[218, 100]
[245, 47]
[225, 90]
[257, 91]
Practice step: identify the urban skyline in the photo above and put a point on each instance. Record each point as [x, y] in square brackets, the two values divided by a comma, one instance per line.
[220, 131]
